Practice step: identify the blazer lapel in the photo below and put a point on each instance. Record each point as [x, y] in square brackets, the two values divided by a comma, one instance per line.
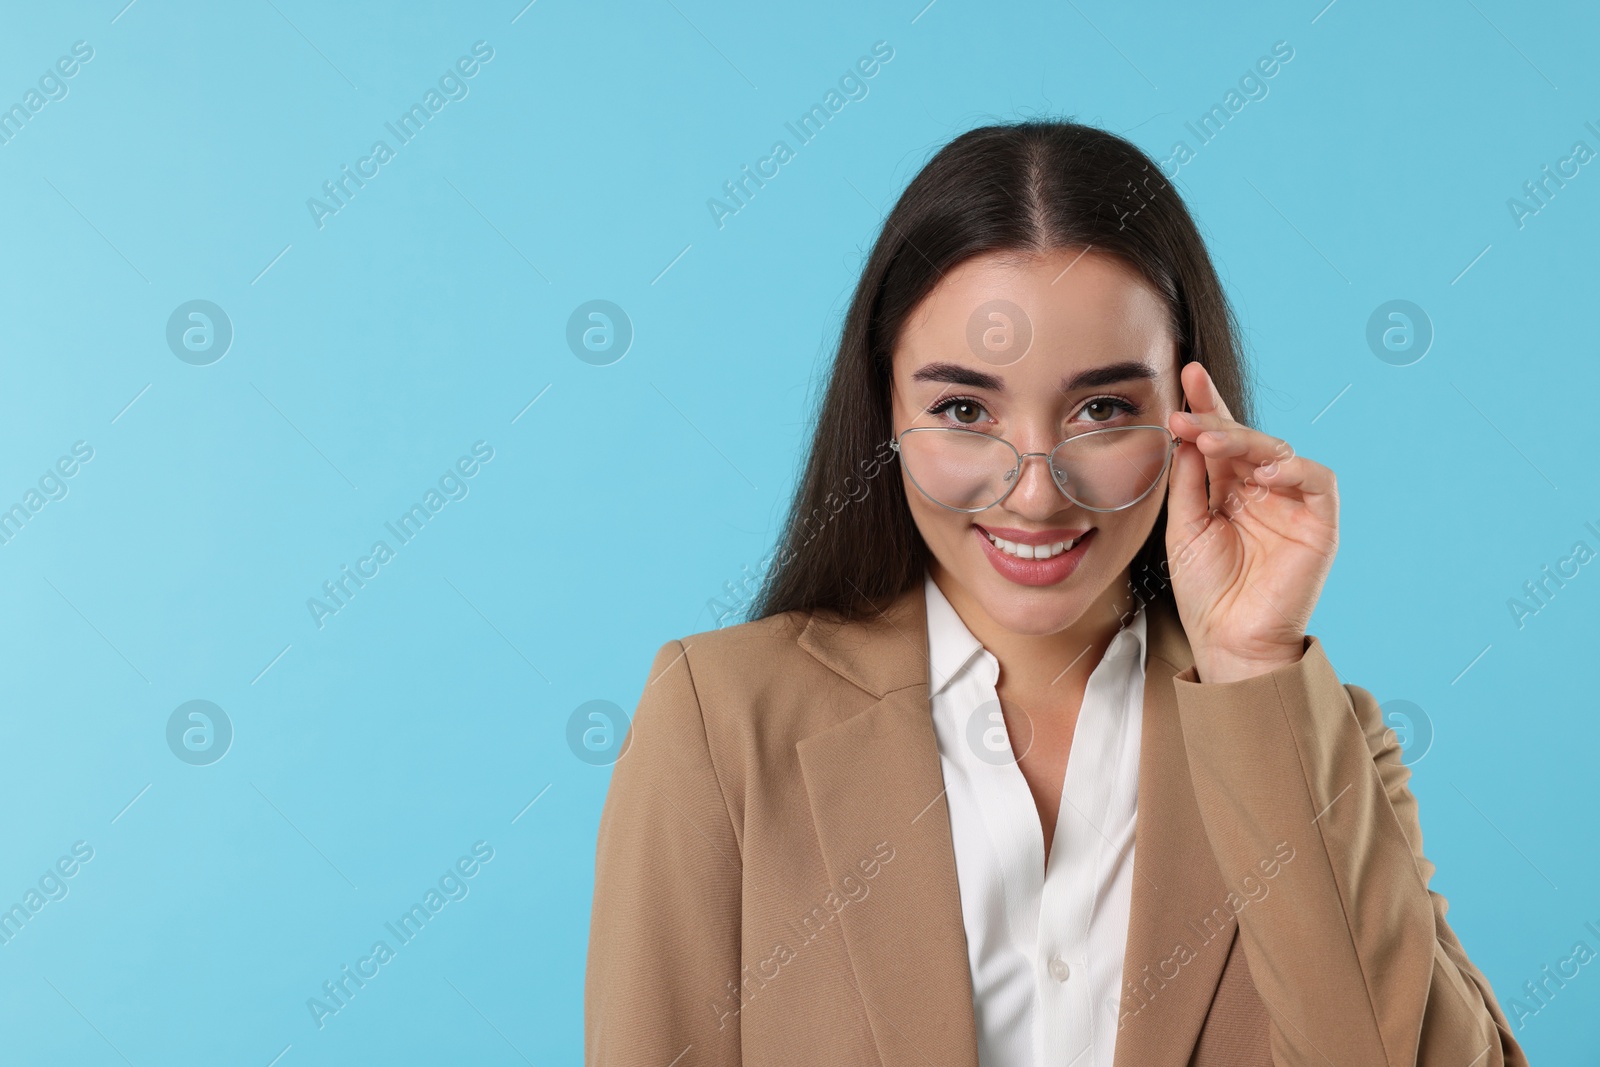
[1174, 959]
[874, 778]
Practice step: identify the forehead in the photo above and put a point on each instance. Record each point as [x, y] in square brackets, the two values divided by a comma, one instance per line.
[1080, 308]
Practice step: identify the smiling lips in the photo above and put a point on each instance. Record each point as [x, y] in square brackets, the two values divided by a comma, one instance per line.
[1026, 545]
[1042, 557]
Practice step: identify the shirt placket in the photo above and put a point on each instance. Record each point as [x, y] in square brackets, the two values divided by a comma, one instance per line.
[1011, 819]
[1079, 868]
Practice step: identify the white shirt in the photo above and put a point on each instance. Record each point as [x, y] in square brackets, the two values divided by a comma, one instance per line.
[1045, 947]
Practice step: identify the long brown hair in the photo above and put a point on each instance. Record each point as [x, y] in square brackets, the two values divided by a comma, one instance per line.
[849, 544]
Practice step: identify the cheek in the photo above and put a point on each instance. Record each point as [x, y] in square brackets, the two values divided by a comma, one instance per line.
[1136, 523]
[921, 509]
[939, 527]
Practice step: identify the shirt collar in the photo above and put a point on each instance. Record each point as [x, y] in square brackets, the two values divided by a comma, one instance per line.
[951, 646]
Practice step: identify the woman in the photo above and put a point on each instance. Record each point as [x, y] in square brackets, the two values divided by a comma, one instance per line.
[1026, 756]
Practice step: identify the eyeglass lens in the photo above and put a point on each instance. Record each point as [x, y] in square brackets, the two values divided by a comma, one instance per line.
[966, 470]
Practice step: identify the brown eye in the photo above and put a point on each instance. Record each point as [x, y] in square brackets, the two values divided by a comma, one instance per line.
[1106, 408]
[962, 410]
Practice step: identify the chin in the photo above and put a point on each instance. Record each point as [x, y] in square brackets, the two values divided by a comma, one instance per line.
[1028, 609]
[1035, 612]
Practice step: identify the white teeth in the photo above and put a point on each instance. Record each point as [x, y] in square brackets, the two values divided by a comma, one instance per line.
[1011, 548]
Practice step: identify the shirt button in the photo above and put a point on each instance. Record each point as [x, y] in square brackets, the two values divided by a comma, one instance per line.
[1059, 969]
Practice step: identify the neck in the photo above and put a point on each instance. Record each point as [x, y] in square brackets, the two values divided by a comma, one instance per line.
[1058, 662]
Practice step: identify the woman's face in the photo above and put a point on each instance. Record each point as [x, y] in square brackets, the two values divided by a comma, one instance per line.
[1100, 355]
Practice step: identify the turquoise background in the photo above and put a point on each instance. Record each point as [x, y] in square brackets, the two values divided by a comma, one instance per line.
[370, 353]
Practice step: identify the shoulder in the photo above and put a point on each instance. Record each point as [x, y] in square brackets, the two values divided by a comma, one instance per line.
[729, 649]
[732, 668]
[732, 704]
[759, 687]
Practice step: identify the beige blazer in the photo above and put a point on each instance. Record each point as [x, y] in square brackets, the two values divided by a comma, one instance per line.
[775, 881]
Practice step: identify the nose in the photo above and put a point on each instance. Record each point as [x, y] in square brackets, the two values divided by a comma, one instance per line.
[1035, 495]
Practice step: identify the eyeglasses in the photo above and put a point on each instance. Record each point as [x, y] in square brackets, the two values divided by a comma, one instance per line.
[1101, 470]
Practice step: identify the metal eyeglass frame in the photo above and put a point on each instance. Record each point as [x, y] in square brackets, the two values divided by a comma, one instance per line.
[1016, 470]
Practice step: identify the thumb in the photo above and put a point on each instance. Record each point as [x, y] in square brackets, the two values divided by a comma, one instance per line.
[1188, 504]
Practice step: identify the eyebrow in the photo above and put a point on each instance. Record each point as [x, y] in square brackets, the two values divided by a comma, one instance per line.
[1094, 377]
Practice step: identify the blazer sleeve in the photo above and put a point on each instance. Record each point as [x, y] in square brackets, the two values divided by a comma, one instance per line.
[664, 926]
[1354, 962]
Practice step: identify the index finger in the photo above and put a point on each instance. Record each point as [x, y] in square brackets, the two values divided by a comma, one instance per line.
[1201, 391]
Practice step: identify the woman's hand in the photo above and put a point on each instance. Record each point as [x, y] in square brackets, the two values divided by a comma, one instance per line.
[1248, 559]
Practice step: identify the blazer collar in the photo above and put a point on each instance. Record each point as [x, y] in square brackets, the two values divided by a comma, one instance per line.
[874, 777]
